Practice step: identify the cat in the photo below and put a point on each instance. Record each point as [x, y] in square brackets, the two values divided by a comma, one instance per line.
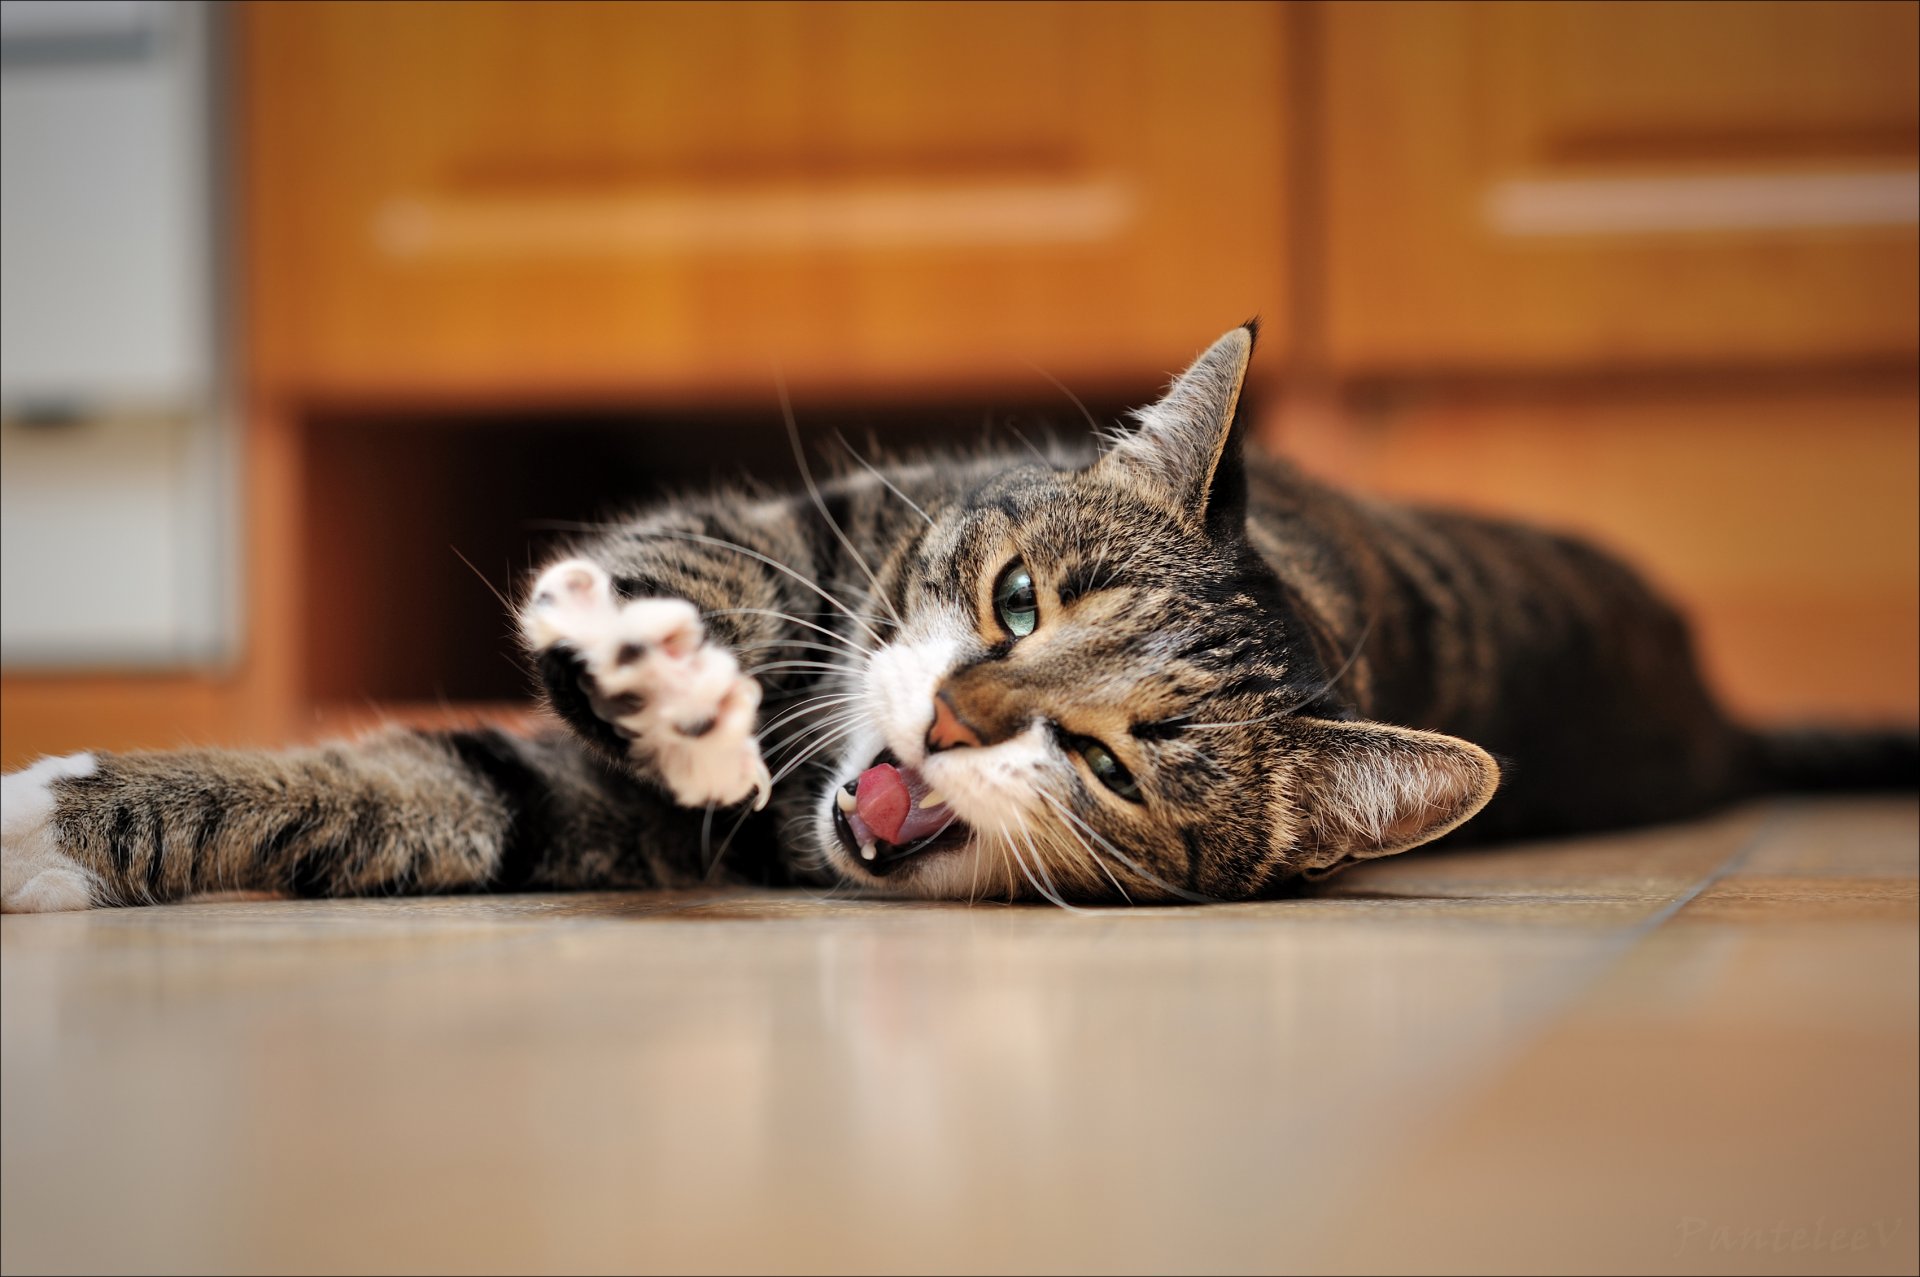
[1170, 670]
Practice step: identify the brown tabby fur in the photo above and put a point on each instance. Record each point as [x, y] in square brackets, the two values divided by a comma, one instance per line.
[1293, 675]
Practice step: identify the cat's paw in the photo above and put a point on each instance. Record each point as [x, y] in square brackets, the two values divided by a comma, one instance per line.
[680, 703]
[36, 876]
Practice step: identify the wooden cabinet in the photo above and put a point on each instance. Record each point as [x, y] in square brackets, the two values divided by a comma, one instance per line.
[1515, 186]
[505, 262]
[1781, 512]
[659, 200]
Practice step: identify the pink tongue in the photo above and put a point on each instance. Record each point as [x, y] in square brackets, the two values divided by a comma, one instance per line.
[883, 801]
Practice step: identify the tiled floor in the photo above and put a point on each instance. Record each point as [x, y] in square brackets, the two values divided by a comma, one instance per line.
[1691, 1049]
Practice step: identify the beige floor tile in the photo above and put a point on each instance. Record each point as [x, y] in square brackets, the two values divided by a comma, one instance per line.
[763, 1081]
[1736, 1095]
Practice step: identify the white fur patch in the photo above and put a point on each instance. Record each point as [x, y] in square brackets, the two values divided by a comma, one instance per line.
[996, 790]
[35, 875]
[903, 675]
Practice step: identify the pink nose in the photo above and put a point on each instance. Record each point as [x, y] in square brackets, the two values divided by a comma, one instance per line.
[949, 730]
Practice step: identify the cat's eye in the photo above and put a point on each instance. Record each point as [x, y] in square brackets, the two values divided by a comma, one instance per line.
[1108, 770]
[1014, 601]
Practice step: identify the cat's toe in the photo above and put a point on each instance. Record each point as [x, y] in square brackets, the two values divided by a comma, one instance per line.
[61, 889]
[666, 627]
[36, 876]
[716, 757]
[572, 603]
[693, 713]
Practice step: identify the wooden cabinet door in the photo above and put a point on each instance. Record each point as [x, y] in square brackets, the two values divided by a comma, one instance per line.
[492, 198]
[1620, 184]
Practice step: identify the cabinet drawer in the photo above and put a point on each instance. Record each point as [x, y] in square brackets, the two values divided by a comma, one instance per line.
[1620, 184]
[672, 198]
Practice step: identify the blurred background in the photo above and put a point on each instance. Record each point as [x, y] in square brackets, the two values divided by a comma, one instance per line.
[305, 303]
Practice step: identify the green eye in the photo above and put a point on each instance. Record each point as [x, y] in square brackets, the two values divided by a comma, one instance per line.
[1108, 771]
[1014, 601]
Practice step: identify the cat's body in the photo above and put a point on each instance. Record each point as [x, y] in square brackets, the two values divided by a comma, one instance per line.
[1167, 673]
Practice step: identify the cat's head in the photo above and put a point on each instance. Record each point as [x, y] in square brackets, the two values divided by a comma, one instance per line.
[1099, 691]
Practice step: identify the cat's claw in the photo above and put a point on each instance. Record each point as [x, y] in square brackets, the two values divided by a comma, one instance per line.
[680, 703]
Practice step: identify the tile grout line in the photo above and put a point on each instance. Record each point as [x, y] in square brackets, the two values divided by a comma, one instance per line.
[1534, 1025]
[1780, 812]
[1614, 950]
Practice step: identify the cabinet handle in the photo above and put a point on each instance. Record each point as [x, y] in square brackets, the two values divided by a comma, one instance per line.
[1722, 202]
[875, 216]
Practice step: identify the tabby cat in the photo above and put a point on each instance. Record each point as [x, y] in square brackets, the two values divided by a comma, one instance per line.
[1166, 672]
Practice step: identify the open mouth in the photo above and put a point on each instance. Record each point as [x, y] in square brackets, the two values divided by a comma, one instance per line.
[889, 814]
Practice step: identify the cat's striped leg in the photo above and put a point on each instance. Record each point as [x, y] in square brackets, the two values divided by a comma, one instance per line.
[400, 812]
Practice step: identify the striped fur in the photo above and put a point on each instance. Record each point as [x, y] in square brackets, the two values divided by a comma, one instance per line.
[1295, 678]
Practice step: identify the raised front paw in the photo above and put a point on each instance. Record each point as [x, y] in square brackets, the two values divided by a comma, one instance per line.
[675, 701]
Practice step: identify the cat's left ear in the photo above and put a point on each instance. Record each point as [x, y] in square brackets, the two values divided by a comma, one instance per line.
[1187, 446]
[1361, 789]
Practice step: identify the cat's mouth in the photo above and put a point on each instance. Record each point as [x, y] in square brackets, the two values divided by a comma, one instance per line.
[889, 814]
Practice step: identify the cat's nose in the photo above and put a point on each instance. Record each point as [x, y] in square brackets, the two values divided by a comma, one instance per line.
[949, 730]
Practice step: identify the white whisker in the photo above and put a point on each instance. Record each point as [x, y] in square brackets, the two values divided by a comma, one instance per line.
[1098, 861]
[788, 616]
[838, 734]
[1123, 857]
[808, 731]
[799, 708]
[820, 503]
[883, 478]
[1061, 386]
[1040, 867]
[811, 732]
[770, 666]
[737, 548]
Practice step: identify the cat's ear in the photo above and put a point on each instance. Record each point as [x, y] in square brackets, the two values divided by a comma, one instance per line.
[1361, 790]
[1187, 446]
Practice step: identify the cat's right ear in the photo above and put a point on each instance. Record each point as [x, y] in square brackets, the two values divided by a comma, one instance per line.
[1185, 449]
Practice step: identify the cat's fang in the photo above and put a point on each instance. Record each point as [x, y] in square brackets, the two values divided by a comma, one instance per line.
[867, 851]
[845, 801]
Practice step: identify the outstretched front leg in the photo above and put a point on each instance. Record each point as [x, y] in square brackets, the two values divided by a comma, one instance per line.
[401, 812]
[639, 639]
